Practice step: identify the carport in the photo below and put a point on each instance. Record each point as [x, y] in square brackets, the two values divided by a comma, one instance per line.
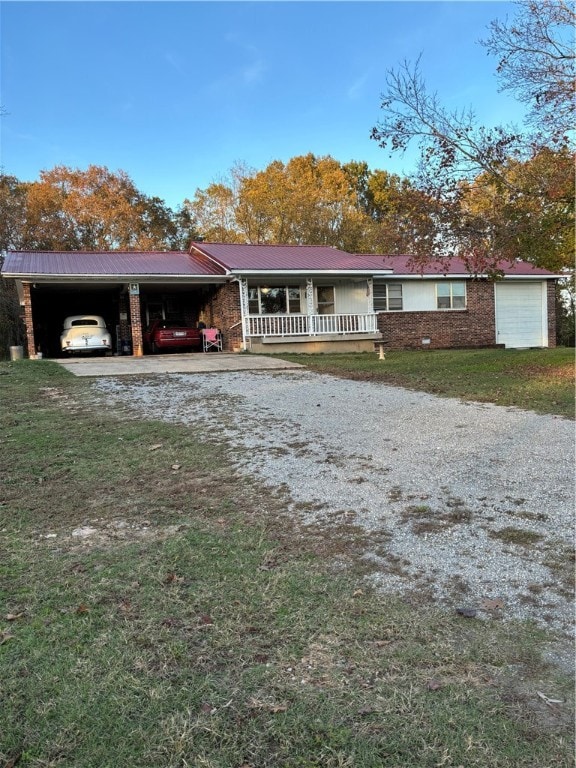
[128, 289]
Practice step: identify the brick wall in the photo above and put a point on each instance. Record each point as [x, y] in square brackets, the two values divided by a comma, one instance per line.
[221, 309]
[551, 313]
[136, 323]
[29, 320]
[474, 326]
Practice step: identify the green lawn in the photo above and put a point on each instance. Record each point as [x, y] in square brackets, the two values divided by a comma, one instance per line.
[541, 380]
[196, 627]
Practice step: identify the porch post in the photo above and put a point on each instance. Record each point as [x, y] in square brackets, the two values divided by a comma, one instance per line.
[310, 306]
[29, 320]
[244, 307]
[136, 319]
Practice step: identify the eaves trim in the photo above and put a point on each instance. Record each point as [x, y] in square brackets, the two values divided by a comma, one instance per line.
[467, 276]
[317, 272]
[147, 278]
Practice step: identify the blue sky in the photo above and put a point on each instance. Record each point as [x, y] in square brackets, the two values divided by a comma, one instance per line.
[175, 93]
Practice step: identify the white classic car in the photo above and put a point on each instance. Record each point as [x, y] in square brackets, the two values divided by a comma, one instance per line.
[85, 333]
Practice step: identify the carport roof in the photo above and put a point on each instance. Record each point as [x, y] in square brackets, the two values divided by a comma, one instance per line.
[118, 264]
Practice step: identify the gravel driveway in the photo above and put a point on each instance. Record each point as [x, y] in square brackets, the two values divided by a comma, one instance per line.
[468, 504]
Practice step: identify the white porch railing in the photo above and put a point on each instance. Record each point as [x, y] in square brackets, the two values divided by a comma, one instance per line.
[310, 325]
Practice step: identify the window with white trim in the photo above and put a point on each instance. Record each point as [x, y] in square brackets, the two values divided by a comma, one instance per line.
[325, 299]
[387, 297]
[451, 295]
[277, 300]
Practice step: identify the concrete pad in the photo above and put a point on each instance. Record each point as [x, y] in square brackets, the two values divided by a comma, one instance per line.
[184, 363]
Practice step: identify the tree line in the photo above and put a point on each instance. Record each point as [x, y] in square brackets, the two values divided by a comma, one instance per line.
[527, 212]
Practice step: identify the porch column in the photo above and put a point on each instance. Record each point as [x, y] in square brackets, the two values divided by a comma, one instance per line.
[244, 307]
[310, 306]
[136, 320]
[29, 320]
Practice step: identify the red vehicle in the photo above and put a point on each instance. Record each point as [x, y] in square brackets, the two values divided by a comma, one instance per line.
[171, 334]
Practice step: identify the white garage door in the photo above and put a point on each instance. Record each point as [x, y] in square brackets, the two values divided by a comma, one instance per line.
[521, 319]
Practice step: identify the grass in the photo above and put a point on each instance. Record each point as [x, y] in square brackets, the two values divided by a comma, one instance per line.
[197, 626]
[540, 380]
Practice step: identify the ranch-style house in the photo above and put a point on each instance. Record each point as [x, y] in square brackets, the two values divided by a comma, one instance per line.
[279, 298]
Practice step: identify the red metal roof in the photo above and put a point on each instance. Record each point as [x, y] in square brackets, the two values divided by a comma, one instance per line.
[115, 263]
[240, 257]
[217, 259]
[401, 265]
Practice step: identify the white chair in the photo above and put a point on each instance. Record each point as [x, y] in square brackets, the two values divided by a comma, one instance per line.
[211, 340]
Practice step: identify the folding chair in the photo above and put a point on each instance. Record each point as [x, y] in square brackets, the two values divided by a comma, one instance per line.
[211, 340]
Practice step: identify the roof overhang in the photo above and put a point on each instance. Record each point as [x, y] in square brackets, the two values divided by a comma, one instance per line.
[114, 279]
[365, 273]
[466, 276]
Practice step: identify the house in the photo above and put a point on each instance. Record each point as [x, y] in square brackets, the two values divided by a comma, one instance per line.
[278, 298]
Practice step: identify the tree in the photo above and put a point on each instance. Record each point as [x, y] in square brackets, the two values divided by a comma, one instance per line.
[73, 209]
[530, 216]
[536, 62]
[213, 213]
[186, 232]
[402, 217]
[306, 200]
[312, 200]
[456, 153]
[309, 200]
[12, 212]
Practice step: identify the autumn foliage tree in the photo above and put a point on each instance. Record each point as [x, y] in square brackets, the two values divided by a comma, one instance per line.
[73, 209]
[315, 201]
[526, 212]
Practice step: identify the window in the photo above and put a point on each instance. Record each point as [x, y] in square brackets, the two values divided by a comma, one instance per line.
[325, 299]
[173, 309]
[84, 321]
[387, 297]
[282, 300]
[451, 295]
[154, 311]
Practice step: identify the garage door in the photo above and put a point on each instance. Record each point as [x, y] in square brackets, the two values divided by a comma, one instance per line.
[521, 319]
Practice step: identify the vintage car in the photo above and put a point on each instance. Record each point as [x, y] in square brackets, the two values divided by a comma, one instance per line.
[165, 335]
[85, 333]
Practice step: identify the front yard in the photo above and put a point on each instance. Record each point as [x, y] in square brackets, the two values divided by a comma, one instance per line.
[158, 609]
[541, 380]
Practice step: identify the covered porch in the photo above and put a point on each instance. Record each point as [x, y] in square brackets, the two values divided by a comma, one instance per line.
[317, 315]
